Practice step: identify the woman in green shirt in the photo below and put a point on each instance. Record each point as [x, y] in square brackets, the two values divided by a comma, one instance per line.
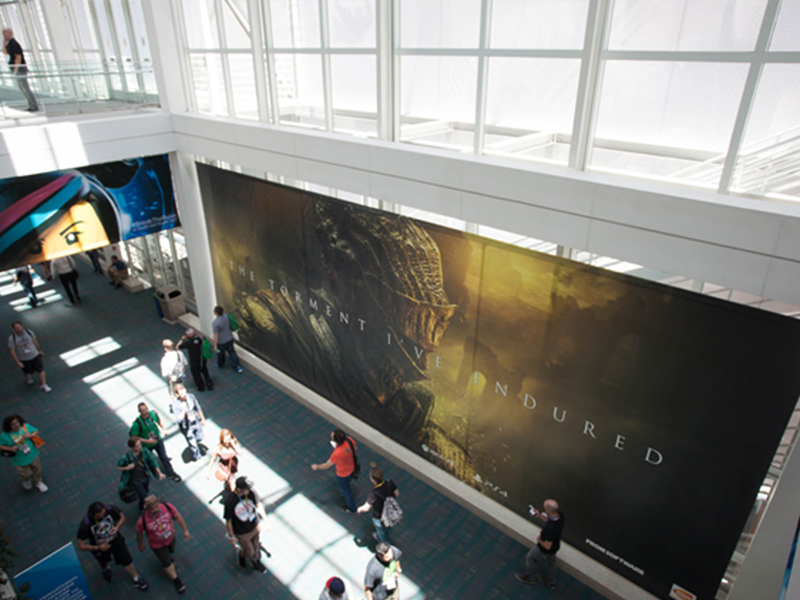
[16, 439]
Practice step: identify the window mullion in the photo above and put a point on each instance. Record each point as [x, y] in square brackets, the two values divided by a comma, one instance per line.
[326, 64]
[483, 77]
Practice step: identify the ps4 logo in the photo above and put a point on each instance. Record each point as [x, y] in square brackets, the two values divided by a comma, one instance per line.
[490, 485]
[449, 461]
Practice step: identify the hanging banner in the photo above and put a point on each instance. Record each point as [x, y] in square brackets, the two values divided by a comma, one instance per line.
[651, 414]
[46, 216]
[55, 577]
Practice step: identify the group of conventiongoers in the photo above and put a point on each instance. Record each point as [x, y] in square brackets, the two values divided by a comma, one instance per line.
[244, 515]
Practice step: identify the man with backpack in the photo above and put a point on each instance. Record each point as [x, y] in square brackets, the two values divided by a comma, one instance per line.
[157, 523]
[24, 349]
[223, 327]
[99, 534]
[147, 428]
[199, 351]
[173, 365]
[24, 276]
[137, 466]
[386, 512]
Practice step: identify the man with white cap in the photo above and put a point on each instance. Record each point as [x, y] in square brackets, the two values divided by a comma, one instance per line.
[194, 345]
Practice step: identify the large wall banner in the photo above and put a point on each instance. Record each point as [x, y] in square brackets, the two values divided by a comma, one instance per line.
[54, 214]
[650, 413]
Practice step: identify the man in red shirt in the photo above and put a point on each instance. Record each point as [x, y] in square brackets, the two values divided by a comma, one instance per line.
[156, 523]
[345, 460]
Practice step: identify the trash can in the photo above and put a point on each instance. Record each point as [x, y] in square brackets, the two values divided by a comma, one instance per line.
[171, 301]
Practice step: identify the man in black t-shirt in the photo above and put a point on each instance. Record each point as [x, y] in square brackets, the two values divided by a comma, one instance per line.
[242, 511]
[99, 534]
[382, 489]
[547, 544]
[198, 364]
[16, 62]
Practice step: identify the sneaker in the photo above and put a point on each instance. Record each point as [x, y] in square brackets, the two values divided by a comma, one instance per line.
[542, 578]
[47, 388]
[26, 484]
[521, 577]
[259, 566]
[41, 487]
[107, 574]
[374, 536]
[141, 583]
[242, 562]
[179, 585]
[348, 511]
[239, 370]
[28, 379]
[176, 478]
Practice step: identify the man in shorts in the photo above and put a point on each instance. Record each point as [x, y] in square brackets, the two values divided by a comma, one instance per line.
[99, 534]
[24, 349]
[157, 522]
[243, 516]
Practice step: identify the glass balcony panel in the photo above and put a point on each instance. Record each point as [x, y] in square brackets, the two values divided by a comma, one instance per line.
[769, 160]
[301, 100]
[440, 23]
[677, 111]
[200, 20]
[295, 23]
[208, 83]
[437, 100]
[355, 91]
[786, 35]
[236, 24]
[245, 99]
[351, 23]
[548, 24]
[686, 24]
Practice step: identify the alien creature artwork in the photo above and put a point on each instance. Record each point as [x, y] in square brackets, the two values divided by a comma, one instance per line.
[523, 375]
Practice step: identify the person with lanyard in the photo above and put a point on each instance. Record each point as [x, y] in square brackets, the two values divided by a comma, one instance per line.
[383, 572]
[137, 466]
[547, 544]
[24, 276]
[198, 364]
[17, 438]
[157, 523]
[344, 458]
[16, 62]
[382, 489]
[24, 349]
[99, 533]
[242, 512]
[190, 419]
[147, 428]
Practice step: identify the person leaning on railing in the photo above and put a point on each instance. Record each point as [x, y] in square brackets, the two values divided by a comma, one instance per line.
[16, 62]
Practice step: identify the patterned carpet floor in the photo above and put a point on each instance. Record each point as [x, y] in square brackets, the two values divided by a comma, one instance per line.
[102, 359]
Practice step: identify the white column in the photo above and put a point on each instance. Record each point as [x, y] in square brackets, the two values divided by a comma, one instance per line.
[162, 32]
[761, 575]
[193, 220]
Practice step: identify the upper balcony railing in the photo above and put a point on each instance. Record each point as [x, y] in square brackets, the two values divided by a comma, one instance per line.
[66, 89]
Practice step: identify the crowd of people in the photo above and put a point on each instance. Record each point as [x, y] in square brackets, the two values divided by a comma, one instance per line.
[244, 515]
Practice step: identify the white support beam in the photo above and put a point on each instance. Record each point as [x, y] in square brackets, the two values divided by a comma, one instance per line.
[165, 36]
[479, 127]
[589, 82]
[748, 95]
[226, 67]
[385, 68]
[259, 62]
[58, 28]
[273, 79]
[327, 86]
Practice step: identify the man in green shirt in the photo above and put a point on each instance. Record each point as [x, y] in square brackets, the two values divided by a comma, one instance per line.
[147, 428]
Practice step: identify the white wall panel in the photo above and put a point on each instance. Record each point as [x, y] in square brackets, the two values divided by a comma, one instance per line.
[724, 240]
